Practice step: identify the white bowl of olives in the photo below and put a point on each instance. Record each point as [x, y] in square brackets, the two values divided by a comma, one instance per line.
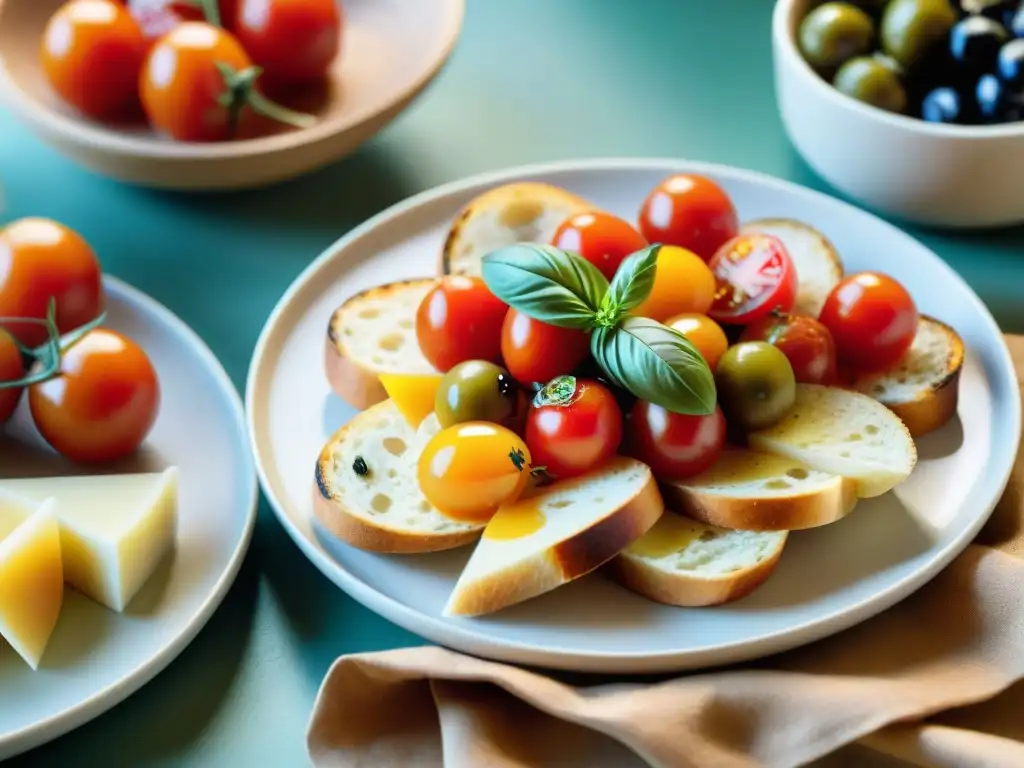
[913, 107]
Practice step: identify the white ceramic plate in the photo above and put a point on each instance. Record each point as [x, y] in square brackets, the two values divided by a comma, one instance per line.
[98, 658]
[828, 579]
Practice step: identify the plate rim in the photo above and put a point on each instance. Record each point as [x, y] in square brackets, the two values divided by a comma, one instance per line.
[105, 699]
[437, 630]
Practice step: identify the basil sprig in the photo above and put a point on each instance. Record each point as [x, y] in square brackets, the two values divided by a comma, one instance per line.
[653, 362]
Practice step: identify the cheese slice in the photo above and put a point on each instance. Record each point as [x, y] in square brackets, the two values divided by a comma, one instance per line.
[31, 576]
[114, 529]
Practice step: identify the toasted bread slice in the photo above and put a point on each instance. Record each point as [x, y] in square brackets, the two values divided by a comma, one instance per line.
[818, 266]
[843, 433]
[374, 332]
[526, 211]
[557, 534]
[750, 491]
[683, 562]
[382, 510]
[923, 390]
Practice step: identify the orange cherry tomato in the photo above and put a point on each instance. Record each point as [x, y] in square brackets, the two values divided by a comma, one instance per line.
[92, 51]
[536, 352]
[682, 283]
[675, 446]
[705, 334]
[39, 260]
[11, 369]
[600, 238]
[158, 17]
[459, 320]
[690, 211]
[104, 401]
[293, 40]
[805, 342]
[755, 275]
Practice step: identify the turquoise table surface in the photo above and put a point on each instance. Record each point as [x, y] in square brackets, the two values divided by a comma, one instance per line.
[531, 80]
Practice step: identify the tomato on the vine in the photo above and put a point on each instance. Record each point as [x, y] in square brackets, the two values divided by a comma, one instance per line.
[158, 17]
[459, 320]
[102, 403]
[601, 238]
[573, 426]
[873, 320]
[704, 333]
[806, 343]
[674, 445]
[11, 369]
[42, 260]
[536, 352]
[690, 211]
[292, 40]
[92, 51]
[755, 275]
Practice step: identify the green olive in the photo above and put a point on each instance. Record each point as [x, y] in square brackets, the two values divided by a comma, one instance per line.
[833, 33]
[869, 80]
[475, 391]
[911, 29]
[756, 385]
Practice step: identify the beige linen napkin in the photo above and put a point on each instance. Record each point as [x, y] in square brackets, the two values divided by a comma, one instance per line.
[897, 688]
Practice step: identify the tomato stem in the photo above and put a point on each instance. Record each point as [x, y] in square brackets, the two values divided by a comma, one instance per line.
[241, 91]
[211, 10]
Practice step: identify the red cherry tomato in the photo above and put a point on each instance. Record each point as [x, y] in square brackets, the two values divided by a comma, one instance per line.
[573, 426]
[11, 369]
[805, 342]
[538, 352]
[39, 260]
[158, 17]
[102, 404]
[293, 40]
[755, 275]
[675, 446]
[872, 319]
[459, 320]
[600, 238]
[92, 51]
[689, 211]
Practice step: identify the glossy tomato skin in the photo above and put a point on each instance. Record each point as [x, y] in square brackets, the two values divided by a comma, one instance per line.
[103, 403]
[11, 369]
[158, 17]
[293, 40]
[601, 238]
[806, 343]
[690, 211]
[460, 320]
[92, 52]
[873, 320]
[572, 438]
[536, 352]
[39, 260]
[675, 446]
[755, 276]
[704, 333]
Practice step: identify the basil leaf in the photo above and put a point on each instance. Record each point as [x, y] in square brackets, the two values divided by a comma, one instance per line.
[632, 283]
[546, 283]
[657, 364]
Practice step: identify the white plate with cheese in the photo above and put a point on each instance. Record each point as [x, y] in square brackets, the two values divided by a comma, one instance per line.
[155, 540]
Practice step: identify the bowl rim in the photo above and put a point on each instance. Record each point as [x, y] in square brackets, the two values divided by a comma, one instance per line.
[85, 132]
[784, 28]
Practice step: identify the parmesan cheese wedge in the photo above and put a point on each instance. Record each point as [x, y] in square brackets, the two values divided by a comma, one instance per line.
[114, 529]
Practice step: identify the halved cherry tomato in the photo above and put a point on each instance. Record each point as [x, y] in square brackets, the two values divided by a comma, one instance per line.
[690, 211]
[805, 342]
[158, 17]
[92, 52]
[682, 283]
[675, 446]
[11, 369]
[104, 401]
[705, 334]
[536, 352]
[573, 426]
[293, 40]
[459, 320]
[601, 238]
[42, 260]
[873, 320]
[470, 469]
[755, 276]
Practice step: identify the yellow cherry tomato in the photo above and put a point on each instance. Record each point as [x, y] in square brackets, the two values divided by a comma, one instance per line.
[682, 283]
[707, 335]
[468, 470]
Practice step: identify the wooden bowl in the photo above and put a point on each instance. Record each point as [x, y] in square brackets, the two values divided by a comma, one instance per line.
[391, 50]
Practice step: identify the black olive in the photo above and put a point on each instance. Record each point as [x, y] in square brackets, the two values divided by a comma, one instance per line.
[943, 105]
[993, 9]
[974, 43]
[1011, 64]
[1015, 22]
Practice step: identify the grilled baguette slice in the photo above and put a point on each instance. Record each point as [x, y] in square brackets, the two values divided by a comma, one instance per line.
[557, 534]
[374, 332]
[384, 509]
[750, 491]
[526, 211]
[690, 564]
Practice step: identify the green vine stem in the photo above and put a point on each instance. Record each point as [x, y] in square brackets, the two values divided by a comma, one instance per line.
[241, 91]
[210, 9]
